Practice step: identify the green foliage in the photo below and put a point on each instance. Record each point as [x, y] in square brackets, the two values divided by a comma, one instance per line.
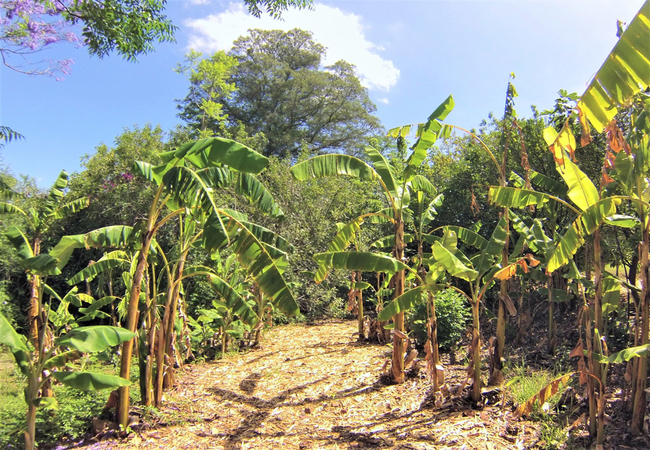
[452, 315]
[126, 26]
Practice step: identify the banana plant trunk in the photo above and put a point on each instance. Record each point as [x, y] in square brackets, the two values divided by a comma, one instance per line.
[639, 402]
[476, 350]
[552, 337]
[169, 320]
[359, 293]
[433, 340]
[399, 344]
[34, 319]
[131, 323]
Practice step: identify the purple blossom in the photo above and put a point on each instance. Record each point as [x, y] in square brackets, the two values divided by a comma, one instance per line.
[30, 25]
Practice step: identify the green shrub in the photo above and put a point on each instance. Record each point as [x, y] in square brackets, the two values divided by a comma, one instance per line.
[452, 313]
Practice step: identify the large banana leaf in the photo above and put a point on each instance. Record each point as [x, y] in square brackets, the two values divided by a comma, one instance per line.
[257, 194]
[389, 241]
[513, 197]
[548, 184]
[625, 72]
[233, 300]
[585, 224]
[385, 170]
[344, 237]
[113, 236]
[427, 133]
[468, 236]
[216, 151]
[89, 381]
[362, 261]
[422, 184]
[407, 300]
[16, 344]
[252, 254]
[582, 191]
[57, 190]
[94, 339]
[330, 165]
[71, 208]
[41, 265]
[451, 263]
[96, 305]
[8, 208]
[18, 240]
[105, 264]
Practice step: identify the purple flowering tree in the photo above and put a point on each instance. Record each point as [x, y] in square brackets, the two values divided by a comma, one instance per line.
[29, 26]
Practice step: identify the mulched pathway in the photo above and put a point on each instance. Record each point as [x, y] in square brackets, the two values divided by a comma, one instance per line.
[315, 387]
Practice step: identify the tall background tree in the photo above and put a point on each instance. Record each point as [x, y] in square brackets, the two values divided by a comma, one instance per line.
[283, 91]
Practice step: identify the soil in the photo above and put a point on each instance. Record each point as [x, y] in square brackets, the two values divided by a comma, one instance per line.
[316, 387]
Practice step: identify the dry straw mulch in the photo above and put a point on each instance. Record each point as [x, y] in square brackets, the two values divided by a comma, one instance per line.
[315, 387]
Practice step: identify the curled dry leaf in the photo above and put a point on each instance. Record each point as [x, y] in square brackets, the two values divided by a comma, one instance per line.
[543, 395]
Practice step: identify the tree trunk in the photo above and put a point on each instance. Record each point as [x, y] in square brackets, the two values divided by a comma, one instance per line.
[169, 322]
[34, 319]
[399, 346]
[30, 434]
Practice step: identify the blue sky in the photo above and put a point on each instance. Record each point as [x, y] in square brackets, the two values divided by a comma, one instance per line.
[410, 54]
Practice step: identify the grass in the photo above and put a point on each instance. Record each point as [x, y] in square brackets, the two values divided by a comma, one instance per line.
[525, 383]
[69, 422]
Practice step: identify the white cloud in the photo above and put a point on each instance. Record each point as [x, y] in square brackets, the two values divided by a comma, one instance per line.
[198, 2]
[383, 100]
[342, 33]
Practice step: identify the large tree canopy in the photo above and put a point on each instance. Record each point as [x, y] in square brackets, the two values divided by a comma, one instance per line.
[283, 91]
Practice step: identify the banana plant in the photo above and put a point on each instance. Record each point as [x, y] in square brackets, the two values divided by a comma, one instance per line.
[39, 218]
[396, 183]
[480, 271]
[40, 366]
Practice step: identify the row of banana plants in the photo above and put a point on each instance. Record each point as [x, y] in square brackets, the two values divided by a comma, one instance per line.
[185, 185]
[518, 248]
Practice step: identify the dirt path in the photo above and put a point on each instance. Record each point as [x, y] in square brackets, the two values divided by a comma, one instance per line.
[314, 387]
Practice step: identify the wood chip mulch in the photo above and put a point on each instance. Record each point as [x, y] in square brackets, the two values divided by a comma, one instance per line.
[315, 387]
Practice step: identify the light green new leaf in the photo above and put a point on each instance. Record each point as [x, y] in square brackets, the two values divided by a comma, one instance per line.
[16, 344]
[407, 301]
[623, 221]
[94, 339]
[331, 165]
[361, 261]
[582, 191]
[361, 285]
[624, 355]
[90, 381]
[428, 134]
[625, 72]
